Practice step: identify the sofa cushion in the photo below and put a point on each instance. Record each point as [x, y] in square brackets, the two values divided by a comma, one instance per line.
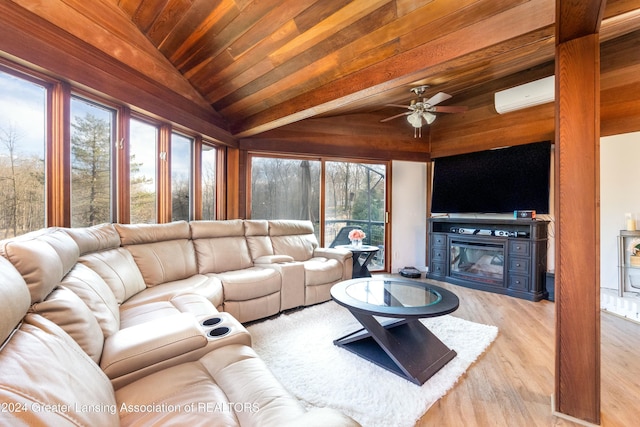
[220, 254]
[200, 284]
[220, 246]
[196, 305]
[42, 365]
[96, 238]
[119, 271]
[96, 295]
[42, 257]
[163, 252]
[320, 271]
[15, 297]
[249, 283]
[67, 310]
[257, 235]
[299, 247]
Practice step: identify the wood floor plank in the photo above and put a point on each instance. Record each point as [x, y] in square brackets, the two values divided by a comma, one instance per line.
[512, 382]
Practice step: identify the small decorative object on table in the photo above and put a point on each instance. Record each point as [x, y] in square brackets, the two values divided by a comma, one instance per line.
[356, 236]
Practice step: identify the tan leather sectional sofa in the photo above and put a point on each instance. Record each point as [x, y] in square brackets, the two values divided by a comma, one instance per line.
[142, 324]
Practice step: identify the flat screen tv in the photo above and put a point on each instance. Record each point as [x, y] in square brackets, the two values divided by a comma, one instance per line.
[493, 181]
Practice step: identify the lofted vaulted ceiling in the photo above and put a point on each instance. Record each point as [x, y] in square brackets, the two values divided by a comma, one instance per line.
[247, 67]
[265, 64]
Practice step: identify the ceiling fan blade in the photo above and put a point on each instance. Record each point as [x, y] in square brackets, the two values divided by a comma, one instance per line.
[398, 105]
[396, 116]
[437, 98]
[448, 109]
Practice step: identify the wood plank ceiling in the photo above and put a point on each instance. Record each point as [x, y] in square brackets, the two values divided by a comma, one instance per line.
[265, 64]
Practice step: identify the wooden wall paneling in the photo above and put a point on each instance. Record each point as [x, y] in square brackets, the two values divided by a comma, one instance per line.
[357, 135]
[577, 271]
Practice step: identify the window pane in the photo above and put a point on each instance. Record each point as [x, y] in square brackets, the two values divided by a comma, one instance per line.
[355, 197]
[144, 139]
[22, 151]
[208, 182]
[180, 177]
[285, 189]
[92, 133]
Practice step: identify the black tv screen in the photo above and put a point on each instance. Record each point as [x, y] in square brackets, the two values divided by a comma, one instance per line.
[493, 181]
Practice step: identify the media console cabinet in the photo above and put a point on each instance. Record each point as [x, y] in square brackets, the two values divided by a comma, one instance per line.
[506, 256]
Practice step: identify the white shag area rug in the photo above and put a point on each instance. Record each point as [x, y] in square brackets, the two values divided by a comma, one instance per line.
[298, 348]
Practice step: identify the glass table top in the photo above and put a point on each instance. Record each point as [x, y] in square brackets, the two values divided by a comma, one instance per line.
[394, 297]
[387, 293]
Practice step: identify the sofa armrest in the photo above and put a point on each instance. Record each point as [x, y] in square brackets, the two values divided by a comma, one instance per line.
[146, 344]
[272, 259]
[342, 255]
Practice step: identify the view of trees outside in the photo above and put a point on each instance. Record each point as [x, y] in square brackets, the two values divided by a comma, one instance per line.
[209, 162]
[143, 148]
[22, 151]
[92, 137]
[285, 189]
[290, 189]
[355, 197]
[180, 176]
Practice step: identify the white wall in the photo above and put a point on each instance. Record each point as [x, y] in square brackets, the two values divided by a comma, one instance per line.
[409, 219]
[619, 194]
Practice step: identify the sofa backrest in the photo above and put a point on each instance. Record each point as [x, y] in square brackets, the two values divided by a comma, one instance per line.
[41, 365]
[162, 252]
[57, 384]
[220, 246]
[15, 297]
[256, 232]
[42, 257]
[294, 238]
[100, 251]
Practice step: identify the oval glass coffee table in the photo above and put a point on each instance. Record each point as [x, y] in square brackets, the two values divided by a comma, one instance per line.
[399, 343]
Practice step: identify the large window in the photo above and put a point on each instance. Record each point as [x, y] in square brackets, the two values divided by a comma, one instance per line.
[354, 196]
[143, 149]
[92, 136]
[96, 161]
[23, 132]
[285, 189]
[180, 177]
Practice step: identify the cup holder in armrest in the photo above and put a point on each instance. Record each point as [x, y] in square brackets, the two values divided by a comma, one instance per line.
[219, 332]
[212, 321]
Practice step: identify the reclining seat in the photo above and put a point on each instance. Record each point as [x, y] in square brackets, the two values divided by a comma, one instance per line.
[323, 267]
[127, 343]
[165, 255]
[46, 379]
[100, 252]
[250, 292]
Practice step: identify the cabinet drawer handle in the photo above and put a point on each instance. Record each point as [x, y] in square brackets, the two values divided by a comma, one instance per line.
[517, 264]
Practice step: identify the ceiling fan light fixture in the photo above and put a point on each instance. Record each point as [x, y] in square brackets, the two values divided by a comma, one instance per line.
[415, 119]
[429, 117]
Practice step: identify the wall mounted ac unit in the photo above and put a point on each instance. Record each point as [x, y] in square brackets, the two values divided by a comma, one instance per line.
[527, 95]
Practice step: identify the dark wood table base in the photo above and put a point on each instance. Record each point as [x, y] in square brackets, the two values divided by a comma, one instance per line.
[405, 347]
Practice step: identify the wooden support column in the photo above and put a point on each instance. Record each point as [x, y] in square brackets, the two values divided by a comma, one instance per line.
[577, 385]
[232, 183]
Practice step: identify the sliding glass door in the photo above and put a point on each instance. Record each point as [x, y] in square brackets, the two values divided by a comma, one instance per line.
[355, 197]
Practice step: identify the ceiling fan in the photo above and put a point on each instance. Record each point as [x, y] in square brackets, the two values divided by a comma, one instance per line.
[421, 111]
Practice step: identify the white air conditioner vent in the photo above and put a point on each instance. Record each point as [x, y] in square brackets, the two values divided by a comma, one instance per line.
[527, 95]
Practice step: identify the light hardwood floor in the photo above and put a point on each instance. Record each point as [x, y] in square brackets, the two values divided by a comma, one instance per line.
[512, 382]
